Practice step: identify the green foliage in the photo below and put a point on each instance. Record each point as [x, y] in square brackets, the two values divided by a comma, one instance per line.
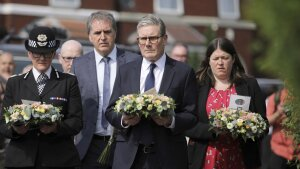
[278, 23]
[194, 60]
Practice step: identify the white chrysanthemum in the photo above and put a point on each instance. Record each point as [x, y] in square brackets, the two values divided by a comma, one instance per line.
[229, 126]
[254, 129]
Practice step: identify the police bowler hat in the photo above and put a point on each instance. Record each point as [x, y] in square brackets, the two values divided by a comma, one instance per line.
[42, 40]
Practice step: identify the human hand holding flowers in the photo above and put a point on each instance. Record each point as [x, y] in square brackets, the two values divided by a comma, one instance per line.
[47, 129]
[130, 120]
[20, 129]
[162, 120]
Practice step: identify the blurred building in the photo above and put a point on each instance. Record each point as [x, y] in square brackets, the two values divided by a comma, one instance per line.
[194, 22]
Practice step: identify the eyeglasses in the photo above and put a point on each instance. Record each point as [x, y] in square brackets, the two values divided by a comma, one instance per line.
[68, 58]
[152, 39]
[45, 55]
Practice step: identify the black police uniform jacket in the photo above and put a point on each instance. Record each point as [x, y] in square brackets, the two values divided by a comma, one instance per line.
[54, 149]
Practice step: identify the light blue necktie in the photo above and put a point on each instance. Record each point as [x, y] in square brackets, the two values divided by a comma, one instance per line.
[106, 90]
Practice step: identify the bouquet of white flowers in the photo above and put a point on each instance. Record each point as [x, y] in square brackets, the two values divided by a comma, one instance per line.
[145, 105]
[17, 114]
[238, 122]
[34, 113]
[45, 113]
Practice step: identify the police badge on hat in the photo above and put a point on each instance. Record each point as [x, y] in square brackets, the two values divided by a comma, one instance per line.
[42, 40]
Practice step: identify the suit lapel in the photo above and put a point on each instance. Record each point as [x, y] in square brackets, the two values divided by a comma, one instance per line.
[51, 83]
[203, 95]
[167, 76]
[31, 84]
[242, 89]
[92, 74]
[120, 58]
[135, 76]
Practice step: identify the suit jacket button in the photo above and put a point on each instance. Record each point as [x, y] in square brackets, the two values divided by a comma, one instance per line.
[38, 134]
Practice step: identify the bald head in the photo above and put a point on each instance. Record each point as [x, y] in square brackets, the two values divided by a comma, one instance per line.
[69, 50]
[180, 53]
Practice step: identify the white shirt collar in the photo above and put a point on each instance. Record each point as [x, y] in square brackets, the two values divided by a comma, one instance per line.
[112, 55]
[160, 63]
[36, 73]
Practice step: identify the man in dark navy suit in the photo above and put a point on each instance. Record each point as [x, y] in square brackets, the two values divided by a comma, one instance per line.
[47, 145]
[158, 142]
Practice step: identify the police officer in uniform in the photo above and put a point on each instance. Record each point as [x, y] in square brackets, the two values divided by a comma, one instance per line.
[48, 145]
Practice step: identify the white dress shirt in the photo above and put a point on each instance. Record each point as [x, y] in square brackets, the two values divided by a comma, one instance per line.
[158, 72]
[36, 73]
[100, 78]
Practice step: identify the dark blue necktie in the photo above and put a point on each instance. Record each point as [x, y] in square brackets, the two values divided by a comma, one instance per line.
[150, 79]
[106, 90]
[146, 132]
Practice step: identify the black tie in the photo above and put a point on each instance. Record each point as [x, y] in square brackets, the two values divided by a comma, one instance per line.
[146, 129]
[150, 79]
[106, 90]
[41, 82]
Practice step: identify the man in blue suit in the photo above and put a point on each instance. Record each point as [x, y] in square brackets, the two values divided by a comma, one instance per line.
[96, 72]
[158, 142]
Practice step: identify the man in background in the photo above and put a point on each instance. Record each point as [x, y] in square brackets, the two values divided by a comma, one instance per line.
[70, 50]
[7, 65]
[180, 52]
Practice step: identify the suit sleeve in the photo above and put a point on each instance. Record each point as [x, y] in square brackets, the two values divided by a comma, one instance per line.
[72, 123]
[186, 118]
[7, 102]
[201, 130]
[113, 117]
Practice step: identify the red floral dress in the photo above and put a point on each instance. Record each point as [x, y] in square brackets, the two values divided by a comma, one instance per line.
[224, 152]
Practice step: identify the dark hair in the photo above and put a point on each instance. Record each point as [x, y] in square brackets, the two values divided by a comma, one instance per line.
[237, 73]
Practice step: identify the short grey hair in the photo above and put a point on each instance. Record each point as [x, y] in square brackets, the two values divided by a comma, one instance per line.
[152, 20]
[101, 15]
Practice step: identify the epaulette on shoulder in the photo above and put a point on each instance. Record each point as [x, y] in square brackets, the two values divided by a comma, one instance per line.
[25, 74]
[71, 74]
[15, 75]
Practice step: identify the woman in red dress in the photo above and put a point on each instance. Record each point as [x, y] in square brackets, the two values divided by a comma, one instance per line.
[221, 75]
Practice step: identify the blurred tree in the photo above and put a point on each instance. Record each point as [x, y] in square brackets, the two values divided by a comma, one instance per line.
[194, 60]
[278, 22]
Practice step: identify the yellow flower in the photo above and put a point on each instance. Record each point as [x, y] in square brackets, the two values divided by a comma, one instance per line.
[239, 122]
[40, 109]
[150, 107]
[157, 102]
[25, 116]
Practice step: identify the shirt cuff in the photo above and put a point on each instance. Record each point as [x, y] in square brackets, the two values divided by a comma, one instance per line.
[124, 126]
[172, 124]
